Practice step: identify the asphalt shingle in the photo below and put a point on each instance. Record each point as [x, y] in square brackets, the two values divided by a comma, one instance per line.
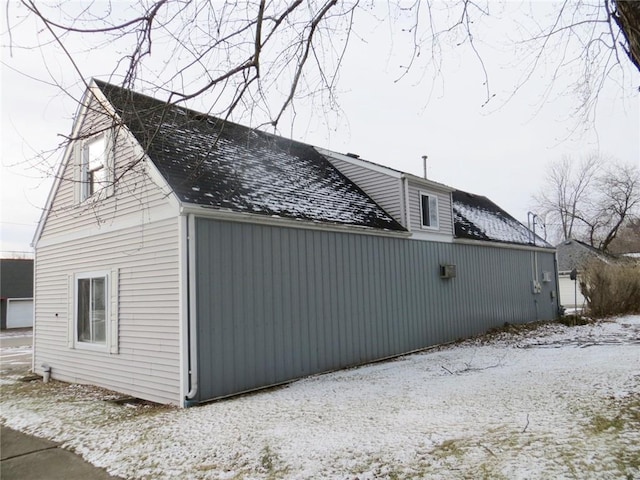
[220, 164]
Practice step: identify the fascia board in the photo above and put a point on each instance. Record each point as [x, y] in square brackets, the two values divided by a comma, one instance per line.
[361, 163]
[429, 184]
[512, 246]
[79, 118]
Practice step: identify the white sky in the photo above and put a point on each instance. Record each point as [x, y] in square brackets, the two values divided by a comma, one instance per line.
[499, 150]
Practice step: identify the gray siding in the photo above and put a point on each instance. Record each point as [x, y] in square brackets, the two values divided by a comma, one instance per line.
[385, 190]
[274, 304]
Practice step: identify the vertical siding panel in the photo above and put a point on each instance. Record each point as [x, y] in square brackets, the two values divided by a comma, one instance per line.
[278, 303]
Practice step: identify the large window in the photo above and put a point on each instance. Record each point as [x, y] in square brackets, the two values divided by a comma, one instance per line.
[94, 166]
[429, 210]
[91, 309]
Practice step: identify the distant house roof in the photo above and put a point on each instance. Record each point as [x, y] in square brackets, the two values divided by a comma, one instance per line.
[16, 278]
[575, 254]
[478, 218]
[220, 164]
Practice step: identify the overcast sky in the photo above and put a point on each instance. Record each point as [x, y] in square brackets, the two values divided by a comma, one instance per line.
[499, 149]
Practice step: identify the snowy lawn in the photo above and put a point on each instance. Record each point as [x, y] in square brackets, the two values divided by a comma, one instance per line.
[549, 402]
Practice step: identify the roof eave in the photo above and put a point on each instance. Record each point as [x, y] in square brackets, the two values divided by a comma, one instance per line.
[245, 217]
[496, 243]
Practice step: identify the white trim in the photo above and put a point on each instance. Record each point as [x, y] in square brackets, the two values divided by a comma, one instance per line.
[485, 243]
[33, 331]
[106, 274]
[93, 92]
[429, 184]
[183, 306]
[153, 172]
[407, 203]
[360, 163]
[431, 236]
[114, 311]
[232, 216]
[154, 215]
[193, 320]
[430, 196]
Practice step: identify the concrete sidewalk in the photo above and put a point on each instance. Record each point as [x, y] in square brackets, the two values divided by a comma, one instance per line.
[26, 457]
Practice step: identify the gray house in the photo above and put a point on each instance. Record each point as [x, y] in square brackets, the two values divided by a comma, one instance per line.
[16, 293]
[181, 258]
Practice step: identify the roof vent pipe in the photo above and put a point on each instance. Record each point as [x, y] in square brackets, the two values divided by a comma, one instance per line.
[424, 162]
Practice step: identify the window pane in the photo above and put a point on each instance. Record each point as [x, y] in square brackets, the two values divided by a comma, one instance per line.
[92, 310]
[98, 309]
[84, 317]
[426, 217]
[96, 153]
[433, 211]
[94, 170]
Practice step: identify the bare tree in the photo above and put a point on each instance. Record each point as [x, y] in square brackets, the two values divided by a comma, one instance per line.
[628, 238]
[265, 55]
[566, 191]
[254, 60]
[590, 200]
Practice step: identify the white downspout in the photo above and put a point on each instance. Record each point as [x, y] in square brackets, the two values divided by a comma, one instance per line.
[192, 343]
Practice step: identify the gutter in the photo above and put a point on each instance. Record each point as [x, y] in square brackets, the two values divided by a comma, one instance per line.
[485, 243]
[233, 216]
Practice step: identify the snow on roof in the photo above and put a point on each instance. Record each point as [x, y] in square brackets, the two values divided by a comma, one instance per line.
[216, 163]
[478, 218]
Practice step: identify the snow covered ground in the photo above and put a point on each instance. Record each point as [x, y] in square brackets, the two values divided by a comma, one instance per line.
[554, 402]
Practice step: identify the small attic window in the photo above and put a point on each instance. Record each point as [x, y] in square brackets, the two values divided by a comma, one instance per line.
[94, 166]
[429, 210]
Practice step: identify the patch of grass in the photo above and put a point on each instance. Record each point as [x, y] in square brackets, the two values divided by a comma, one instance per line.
[267, 458]
[601, 424]
[574, 320]
[448, 448]
[270, 464]
[620, 418]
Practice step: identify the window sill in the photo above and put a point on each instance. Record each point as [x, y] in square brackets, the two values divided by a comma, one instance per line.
[94, 347]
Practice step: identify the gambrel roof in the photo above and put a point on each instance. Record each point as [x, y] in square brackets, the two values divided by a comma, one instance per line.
[215, 163]
[478, 218]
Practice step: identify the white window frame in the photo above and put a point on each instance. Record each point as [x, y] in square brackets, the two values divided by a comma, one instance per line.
[110, 314]
[103, 188]
[433, 211]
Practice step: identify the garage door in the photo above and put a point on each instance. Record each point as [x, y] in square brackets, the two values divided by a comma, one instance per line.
[568, 293]
[19, 312]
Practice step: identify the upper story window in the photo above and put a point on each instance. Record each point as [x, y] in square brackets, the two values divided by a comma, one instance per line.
[429, 210]
[94, 166]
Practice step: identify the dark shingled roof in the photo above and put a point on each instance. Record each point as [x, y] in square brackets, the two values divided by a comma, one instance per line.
[219, 164]
[478, 218]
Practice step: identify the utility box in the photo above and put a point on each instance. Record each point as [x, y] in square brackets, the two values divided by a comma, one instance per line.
[447, 271]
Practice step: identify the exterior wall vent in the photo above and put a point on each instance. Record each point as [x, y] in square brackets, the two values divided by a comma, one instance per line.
[447, 271]
[546, 277]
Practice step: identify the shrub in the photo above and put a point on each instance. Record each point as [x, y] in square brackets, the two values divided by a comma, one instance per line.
[611, 289]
